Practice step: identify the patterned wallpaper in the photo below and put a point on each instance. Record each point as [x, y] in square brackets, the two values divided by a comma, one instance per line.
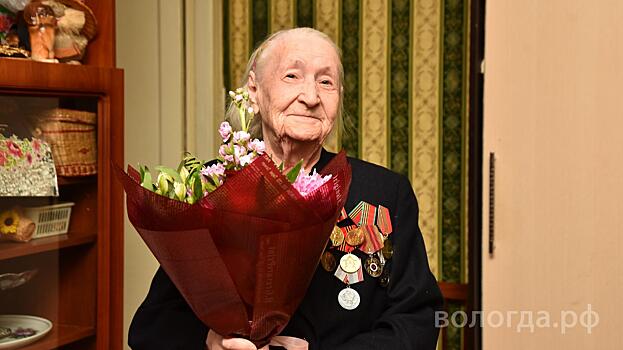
[405, 65]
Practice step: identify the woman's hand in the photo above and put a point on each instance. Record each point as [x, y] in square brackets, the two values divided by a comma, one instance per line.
[216, 342]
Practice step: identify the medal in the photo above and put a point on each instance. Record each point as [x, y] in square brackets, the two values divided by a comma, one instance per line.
[328, 261]
[388, 249]
[384, 280]
[373, 266]
[350, 263]
[349, 278]
[355, 237]
[348, 298]
[337, 237]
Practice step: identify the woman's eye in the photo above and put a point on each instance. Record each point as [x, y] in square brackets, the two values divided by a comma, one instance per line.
[290, 76]
[326, 82]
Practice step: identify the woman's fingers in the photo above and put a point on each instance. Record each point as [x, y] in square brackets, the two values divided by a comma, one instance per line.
[216, 342]
[238, 344]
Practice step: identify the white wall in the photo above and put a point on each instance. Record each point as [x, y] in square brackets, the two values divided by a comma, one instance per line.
[553, 115]
[173, 90]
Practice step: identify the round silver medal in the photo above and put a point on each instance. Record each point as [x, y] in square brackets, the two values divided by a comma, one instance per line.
[348, 298]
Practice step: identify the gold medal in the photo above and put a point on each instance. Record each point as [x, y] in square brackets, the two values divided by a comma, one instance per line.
[388, 249]
[373, 266]
[350, 263]
[355, 237]
[337, 237]
[328, 261]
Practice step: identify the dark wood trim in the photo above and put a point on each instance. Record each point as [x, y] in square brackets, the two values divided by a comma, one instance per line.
[472, 336]
[455, 291]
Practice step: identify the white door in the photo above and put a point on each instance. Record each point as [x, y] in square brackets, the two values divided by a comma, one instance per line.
[553, 116]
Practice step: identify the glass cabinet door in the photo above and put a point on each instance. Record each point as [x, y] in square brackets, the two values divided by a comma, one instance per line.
[48, 220]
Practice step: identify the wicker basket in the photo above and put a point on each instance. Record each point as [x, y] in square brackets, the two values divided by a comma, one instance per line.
[50, 220]
[72, 136]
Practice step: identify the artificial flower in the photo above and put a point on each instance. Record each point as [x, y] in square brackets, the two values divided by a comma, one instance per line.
[3, 158]
[8, 222]
[14, 149]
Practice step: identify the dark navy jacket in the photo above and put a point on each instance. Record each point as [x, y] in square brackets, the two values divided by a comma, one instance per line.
[399, 316]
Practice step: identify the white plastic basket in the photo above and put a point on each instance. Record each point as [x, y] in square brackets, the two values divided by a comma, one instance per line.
[50, 220]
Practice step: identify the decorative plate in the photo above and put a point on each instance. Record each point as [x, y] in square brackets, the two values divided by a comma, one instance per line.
[32, 328]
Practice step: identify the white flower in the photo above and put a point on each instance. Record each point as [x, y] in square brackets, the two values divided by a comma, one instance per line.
[180, 190]
[241, 137]
[246, 159]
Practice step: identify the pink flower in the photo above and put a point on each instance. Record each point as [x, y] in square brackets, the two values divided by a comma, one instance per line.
[14, 149]
[224, 152]
[215, 169]
[225, 131]
[257, 146]
[240, 137]
[239, 151]
[306, 184]
[3, 158]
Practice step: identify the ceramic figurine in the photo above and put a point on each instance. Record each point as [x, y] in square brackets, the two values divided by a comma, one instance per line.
[42, 28]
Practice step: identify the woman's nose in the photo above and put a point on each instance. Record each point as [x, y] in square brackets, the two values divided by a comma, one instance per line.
[309, 94]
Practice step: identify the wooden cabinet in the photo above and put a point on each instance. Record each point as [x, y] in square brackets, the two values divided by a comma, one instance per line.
[78, 284]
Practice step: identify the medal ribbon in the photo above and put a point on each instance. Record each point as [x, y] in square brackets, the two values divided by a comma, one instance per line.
[375, 222]
[383, 221]
[349, 278]
[365, 216]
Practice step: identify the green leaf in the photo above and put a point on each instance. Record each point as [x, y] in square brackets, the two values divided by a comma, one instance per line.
[197, 188]
[147, 180]
[208, 186]
[172, 173]
[182, 163]
[141, 170]
[280, 167]
[294, 172]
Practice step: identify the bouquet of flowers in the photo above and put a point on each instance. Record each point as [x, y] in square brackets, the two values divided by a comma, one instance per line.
[239, 238]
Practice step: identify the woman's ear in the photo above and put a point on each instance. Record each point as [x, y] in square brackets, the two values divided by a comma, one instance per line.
[252, 89]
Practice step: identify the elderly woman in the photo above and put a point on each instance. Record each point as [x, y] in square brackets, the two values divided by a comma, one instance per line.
[295, 82]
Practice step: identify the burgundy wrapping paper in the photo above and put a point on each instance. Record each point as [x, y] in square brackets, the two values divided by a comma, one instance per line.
[244, 255]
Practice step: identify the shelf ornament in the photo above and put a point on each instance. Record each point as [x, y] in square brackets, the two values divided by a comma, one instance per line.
[26, 168]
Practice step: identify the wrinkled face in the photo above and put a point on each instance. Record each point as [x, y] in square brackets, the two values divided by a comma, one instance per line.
[297, 89]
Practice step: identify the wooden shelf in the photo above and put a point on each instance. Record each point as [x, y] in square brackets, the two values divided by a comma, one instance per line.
[32, 76]
[76, 180]
[77, 285]
[61, 335]
[10, 250]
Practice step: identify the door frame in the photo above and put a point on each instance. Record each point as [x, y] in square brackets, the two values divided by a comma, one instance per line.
[473, 336]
